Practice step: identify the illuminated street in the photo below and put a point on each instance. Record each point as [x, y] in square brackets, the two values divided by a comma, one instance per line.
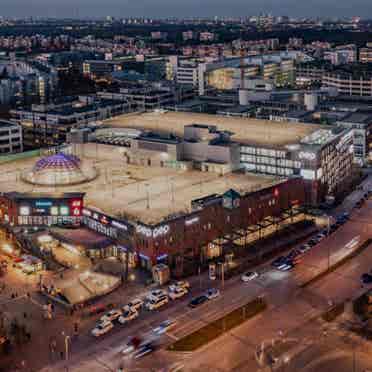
[284, 297]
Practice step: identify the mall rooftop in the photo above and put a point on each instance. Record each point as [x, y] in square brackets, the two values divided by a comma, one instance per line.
[137, 193]
[245, 130]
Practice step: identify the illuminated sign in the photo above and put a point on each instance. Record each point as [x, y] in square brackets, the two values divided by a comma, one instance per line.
[54, 211]
[40, 210]
[76, 203]
[162, 257]
[308, 174]
[161, 230]
[306, 155]
[64, 210]
[148, 232]
[43, 203]
[104, 220]
[76, 211]
[24, 211]
[144, 230]
[119, 225]
[191, 221]
[87, 212]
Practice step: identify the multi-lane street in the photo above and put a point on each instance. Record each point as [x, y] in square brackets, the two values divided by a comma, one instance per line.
[289, 307]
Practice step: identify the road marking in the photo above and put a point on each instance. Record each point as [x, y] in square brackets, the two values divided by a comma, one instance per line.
[173, 337]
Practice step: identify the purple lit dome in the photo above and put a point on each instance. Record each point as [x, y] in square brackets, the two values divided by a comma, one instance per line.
[59, 170]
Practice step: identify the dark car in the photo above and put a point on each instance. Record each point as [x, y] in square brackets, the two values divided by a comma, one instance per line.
[293, 254]
[312, 242]
[279, 261]
[195, 302]
[366, 278]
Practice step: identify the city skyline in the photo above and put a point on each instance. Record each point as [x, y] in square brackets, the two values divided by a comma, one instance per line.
[167, 8]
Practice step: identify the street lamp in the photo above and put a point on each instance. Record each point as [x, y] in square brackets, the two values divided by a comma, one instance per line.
[67, 341]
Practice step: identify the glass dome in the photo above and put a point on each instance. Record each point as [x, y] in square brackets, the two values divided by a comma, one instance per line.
[59, 170]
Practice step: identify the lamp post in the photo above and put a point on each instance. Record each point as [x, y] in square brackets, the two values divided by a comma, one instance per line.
[66, 341]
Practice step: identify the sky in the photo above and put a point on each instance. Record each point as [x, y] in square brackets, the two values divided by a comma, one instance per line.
[183, 8]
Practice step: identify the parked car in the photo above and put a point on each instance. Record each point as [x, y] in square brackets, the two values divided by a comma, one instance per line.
[212, 293]
[111, 315]
[312, 242]
[164, 327]
[178, 292]
[156, 303]
[293, 254]
[321, 235]
[248, 276]
[102, 328]
[180, 284]
[366, 278]
[135, 304]
[155, 294]
[304, 248]
[128, 315]
[197, 301]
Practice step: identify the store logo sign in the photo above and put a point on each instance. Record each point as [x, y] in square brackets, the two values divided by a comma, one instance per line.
[306, 155]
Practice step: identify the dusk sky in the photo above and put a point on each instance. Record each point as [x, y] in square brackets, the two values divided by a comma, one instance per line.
[179, 8]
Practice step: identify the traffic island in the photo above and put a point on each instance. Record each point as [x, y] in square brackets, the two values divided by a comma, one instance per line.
[220, 326]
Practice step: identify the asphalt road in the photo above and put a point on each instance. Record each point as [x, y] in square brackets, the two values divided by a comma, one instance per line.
[289, 308]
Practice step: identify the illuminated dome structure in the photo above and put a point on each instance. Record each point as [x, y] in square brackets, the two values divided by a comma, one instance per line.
[59, 170]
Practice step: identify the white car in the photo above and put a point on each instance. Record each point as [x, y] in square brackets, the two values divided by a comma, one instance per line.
[102, 328]
[177, 292]
[135, 304]
[155, 304]
[285, 267]
[180, 284]
[212, 293]
[248, 276]
[111, 315]
[164, 326]
[128, 315]
[155, 294]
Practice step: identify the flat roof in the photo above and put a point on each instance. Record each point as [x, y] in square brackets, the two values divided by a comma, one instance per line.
[246, 130]
[136, 193]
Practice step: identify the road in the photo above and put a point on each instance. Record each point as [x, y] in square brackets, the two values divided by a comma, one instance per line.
[289, 308]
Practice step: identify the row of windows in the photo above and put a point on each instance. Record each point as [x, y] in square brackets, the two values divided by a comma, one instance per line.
[268, 169]
[261, 151]
[46, 220]
[270, 161]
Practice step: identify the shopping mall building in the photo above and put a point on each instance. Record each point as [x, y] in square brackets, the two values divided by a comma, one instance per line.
[185, 197]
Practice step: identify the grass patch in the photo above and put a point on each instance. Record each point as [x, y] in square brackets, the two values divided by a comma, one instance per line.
[215, 329]
[331, 314]
[338, 264]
